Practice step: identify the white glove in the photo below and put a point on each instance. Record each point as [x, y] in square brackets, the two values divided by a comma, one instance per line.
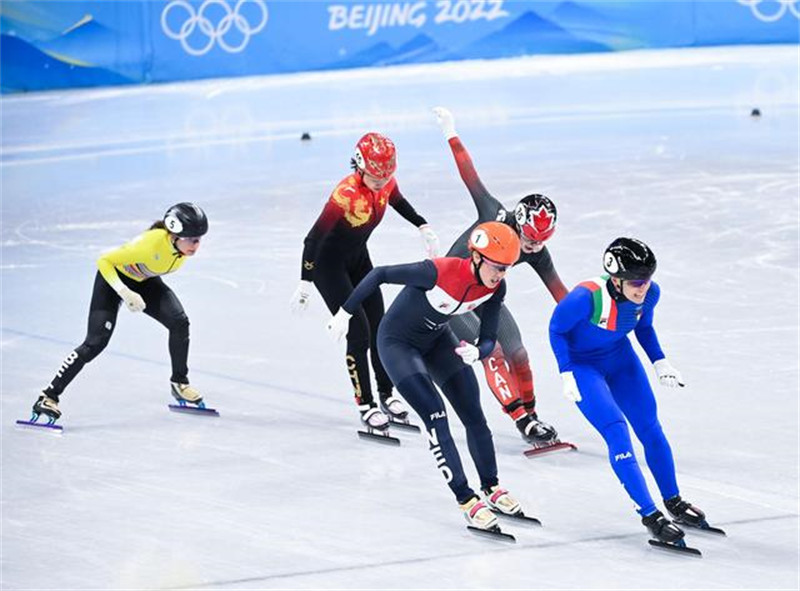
[338, 325]
[667, 375]
[431, 240]
[447, 124]
[133, 300]
[301, 296]
[469, 353]
[570, 387]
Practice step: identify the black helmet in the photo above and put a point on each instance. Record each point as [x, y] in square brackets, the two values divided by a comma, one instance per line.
[536, 217]
[628, 258]
[186, 220]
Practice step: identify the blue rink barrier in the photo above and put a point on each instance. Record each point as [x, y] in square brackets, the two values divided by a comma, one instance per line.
[48, 45]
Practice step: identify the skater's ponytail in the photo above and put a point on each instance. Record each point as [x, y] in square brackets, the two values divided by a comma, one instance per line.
[158, 225]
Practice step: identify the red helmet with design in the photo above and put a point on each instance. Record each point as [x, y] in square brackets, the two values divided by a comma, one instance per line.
[376, 155]
[536, 217]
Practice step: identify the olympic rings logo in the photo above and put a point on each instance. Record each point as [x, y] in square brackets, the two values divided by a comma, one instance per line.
[774, 15]
[197, 20]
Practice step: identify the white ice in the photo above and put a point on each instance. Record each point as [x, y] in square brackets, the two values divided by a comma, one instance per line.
[279, 492]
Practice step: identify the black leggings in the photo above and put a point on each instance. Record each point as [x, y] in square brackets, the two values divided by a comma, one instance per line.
[161, 304]
[335, 279]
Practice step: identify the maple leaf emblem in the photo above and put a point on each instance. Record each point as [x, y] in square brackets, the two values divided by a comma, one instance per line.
[542, 220]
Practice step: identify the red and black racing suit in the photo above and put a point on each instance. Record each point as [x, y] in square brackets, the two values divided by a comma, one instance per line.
[336, 259]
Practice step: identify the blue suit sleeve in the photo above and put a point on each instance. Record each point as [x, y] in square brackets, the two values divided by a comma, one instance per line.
[490, 318]
[645, 332]
[572, 309]
[422, 274]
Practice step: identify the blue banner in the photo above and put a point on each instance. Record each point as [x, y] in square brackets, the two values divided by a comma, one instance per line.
[46, 45]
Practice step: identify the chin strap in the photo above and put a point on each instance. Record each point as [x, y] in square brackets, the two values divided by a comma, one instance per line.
[476, 269]
[174, 241]
[616, 294]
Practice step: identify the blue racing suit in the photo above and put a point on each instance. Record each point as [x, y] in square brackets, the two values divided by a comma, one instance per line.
[588, 335]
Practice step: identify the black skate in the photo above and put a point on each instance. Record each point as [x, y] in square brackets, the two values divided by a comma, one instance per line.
[666, 534]
[397, 412]
[542, 437]
[535, 431]
[687, 514]
[47, 406]
[377, 425]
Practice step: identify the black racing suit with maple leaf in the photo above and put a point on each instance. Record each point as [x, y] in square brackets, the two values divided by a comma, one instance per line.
[519, 401]
[336, 259]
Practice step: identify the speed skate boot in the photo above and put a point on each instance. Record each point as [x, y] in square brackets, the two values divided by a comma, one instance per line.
[48, 406]
[685, 513]
[478, 514]
[535, 431]
[186, 394]
[499, 500]
[662, 528]
[373, 418]
[393, 407]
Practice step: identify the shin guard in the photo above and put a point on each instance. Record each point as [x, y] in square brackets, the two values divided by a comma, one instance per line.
[521, 370]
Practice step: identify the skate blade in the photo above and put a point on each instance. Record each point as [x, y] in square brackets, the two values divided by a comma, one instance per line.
[680, 549]
[495, 534]
[379, 437]
[703, 528]
[549, 447]
[519, 517]
[405, 425]
[194, 410]
[44, 427]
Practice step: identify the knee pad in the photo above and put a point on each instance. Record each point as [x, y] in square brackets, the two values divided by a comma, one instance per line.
[519, 356]
[475, 420]
[179, 325]
[92, 347]
[652, 435]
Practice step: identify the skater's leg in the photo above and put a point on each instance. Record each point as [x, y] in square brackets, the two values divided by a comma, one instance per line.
[100, 326]
[460, 386]
[165, 307]
[509, 337]
[335, 286]
[634, 396]
[600, 409]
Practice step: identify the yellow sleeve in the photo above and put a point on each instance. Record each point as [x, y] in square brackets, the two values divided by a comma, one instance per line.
[131, 252]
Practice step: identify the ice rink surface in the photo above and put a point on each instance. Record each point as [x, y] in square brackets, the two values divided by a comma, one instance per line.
[278, 492]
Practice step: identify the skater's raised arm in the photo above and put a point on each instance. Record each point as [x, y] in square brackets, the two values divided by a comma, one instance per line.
[486, 205]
